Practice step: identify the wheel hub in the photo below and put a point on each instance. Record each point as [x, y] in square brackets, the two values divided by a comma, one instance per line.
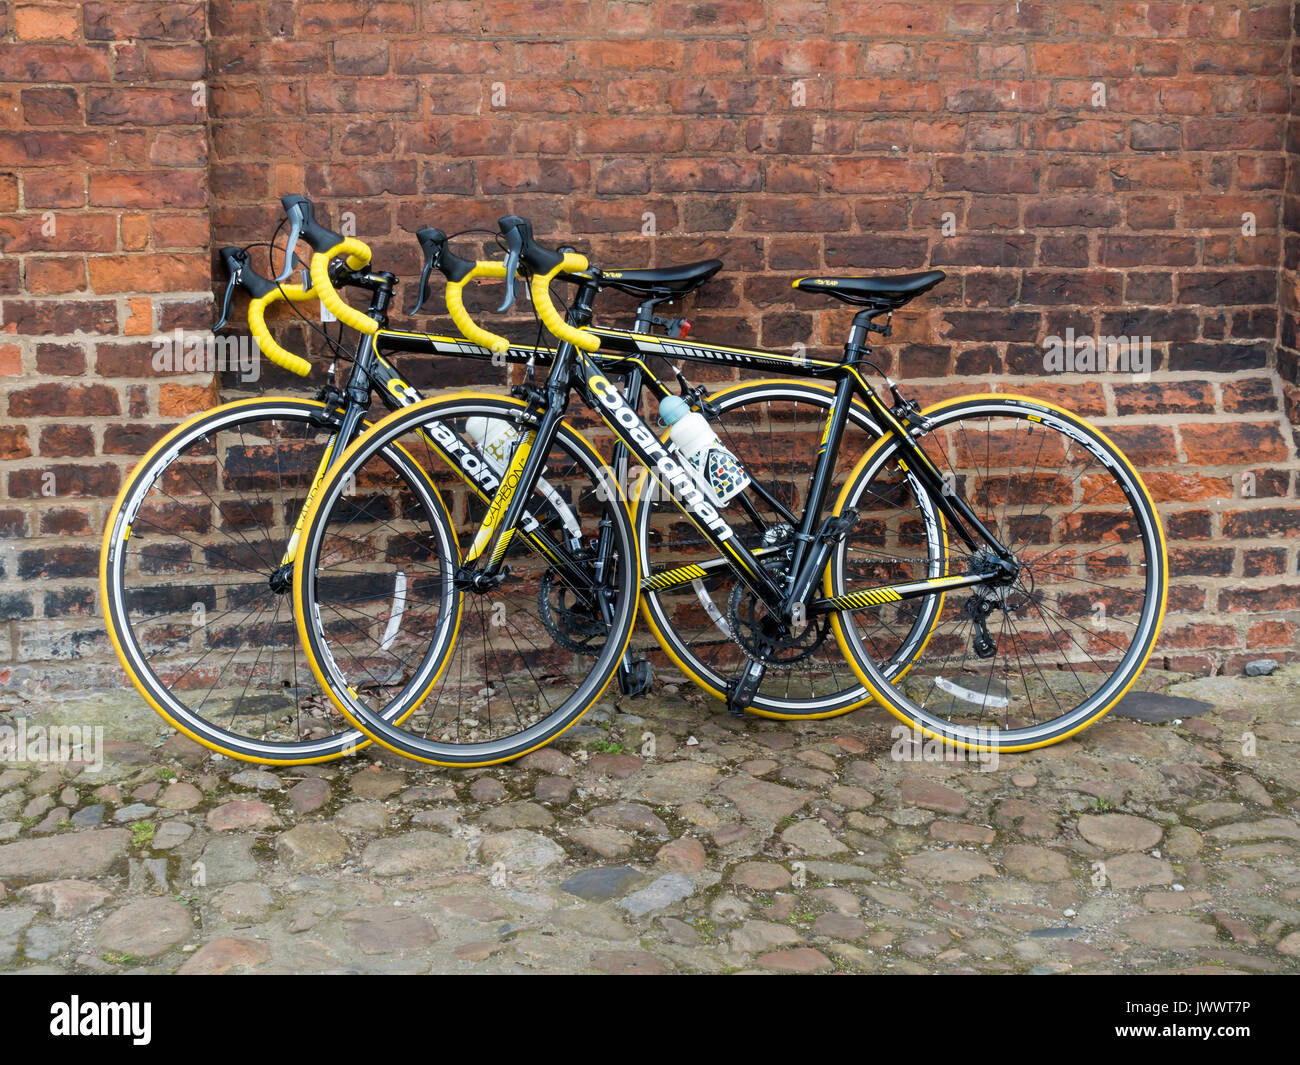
[281, 579]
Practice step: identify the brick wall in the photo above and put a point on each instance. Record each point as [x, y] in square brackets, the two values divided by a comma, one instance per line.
[1288, 355]
[1115, 168]
[104, 236]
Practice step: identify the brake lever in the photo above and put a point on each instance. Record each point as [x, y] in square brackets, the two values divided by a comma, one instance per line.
[303, 214]
[236, 259]
[433, 242]
[515, 246]
[242, 275]
[295, 263]
[231, 285]
[295, 213]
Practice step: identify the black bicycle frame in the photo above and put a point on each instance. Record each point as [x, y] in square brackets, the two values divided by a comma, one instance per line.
[624, 352]
[572, 369]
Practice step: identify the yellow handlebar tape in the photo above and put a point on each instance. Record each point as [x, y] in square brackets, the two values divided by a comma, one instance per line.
[265, 342]
[580, 338]
[357, 256]
[469, 329]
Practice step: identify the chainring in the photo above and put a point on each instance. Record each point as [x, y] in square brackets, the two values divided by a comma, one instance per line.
[758, 635]
[568, 620]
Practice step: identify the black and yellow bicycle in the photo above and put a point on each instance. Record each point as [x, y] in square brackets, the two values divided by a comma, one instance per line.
[197, 556]
[991, 569]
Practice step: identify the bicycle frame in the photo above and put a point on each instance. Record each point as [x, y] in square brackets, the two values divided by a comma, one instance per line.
[624, 352]
[573, 369]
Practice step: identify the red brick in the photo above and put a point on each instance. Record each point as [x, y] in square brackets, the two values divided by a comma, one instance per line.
[47, 276]
[1271, 634]
[682, 175]
[719, 95]
[179, 148]
[132, 439]
[14, 443]
[438, 56]
[1255, 600]
[148, 189]
[887, 94]
[713, 17]
[58, 232]
[67, 441]
[62, 400]
[770, 214]
[8, 192]
[35, 63]
[51, 107]
[1233, 443]
[60, 360]
[337, 16]
[186, 62]
[880, 175]
[53, 148]
[989, 174]
[60, 316]
[179, 401]
[621, 135]
[1202, 635]
[1271, 523]
[503, 176]
[1264, 562]
[46, 22]
[122, 20]
[360, 57]
[171, 272]
[1180, 486]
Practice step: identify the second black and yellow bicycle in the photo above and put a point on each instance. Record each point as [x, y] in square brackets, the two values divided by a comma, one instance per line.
[991, 569]
[197, 556]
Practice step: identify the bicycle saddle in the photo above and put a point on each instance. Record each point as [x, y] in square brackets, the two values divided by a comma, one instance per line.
[886, 290]
[665, 281]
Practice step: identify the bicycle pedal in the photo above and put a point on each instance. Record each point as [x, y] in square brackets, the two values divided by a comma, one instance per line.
[636, 680]
[741, 689]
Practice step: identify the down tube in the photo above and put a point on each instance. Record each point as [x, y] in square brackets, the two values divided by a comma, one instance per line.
[603, 396]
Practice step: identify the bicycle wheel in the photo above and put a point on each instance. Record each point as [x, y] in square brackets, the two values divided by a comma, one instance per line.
[427, 665]
[706, 623]
[1032, 658]
[195, 599]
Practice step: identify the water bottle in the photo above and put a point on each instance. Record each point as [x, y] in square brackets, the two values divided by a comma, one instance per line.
[496, 441]
[495, 438]
[713, 465]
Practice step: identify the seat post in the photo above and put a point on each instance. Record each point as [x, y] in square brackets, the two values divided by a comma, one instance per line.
[645, 315]
[857, 345]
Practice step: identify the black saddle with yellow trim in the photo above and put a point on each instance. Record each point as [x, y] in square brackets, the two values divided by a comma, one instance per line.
[885, 291]
[662, 281]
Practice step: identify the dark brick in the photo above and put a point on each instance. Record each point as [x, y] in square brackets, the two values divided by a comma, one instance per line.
[43, 562]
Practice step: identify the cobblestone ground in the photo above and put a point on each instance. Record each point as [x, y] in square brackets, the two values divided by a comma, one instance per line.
[739, 845]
